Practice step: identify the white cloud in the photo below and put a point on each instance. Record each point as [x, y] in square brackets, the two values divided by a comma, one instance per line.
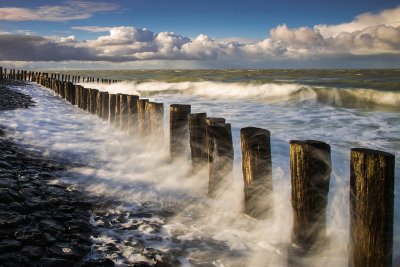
[92, 28]
[390, 17]
[380, 36]
[73, 10]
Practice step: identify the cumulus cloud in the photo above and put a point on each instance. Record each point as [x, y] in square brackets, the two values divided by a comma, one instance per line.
[368, 35]
[72, 10]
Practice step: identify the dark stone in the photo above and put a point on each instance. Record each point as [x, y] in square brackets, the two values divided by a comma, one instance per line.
[141, 264]
[14, 260]
[68, 251]
[50, 262]
[51, 226]
[32, 252]
[8, 183]
[8, 195]
[10, 218]
[30, 235]
[99, 263]
[9, 245]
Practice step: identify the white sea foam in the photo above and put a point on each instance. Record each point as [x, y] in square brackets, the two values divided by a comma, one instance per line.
[110, 163]
[266, 92]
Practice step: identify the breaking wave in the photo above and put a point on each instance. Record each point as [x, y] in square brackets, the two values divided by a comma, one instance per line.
[266, 92]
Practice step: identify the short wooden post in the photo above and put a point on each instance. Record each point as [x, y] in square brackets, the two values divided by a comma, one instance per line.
[220, 156]
[257, 171]
[179, 130]
[117, 110]
[142, 120]
[155, 115]
[105, 112]
[1, 73]
[198, 145]
[71, 93]
[88, 98]
[84, 98]
[77, 95]
[93, 101]
[310, 168]
[111, 107]
[132, 114]
[371, 208]
[123, 116]
[99, 104]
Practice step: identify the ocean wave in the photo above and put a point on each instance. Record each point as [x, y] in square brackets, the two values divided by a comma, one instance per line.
[266, 92]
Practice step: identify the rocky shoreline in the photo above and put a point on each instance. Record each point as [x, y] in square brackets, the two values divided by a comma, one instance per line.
[43, 222]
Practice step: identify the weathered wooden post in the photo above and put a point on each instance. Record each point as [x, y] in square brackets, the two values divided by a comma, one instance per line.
[155, 115]
[84, 98]
[123, 116]
[371, 208]
[99, 104]
[93, 101]
[179, 130]
[71, 92]
[105, 105]
[1, 73]
[142, 120]
[220, 156]
[310, 168]
[77, 95]
[132, 114]
[198, 144]
[257, 171]
[111, 107]
[117, 119]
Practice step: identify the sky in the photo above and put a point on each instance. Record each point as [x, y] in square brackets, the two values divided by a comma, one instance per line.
[142, 34]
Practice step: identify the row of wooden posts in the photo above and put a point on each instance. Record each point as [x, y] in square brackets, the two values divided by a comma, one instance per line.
[23, 75]
[210, 141]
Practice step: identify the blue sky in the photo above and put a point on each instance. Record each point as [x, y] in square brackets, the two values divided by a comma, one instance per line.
[231, 33]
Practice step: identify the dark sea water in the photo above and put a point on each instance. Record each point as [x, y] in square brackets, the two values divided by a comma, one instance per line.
[345, 108]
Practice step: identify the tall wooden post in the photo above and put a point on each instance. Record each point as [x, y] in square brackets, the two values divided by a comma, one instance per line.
[99, 104]
[111, 107]
[179, 130]
[123, 116]
[93, 101]
[198, 145]
[84, 98]
[371, 208]
[1, 73]
[117, 119]
[132, 114]
[257, 171]
[310, 168]
[105, 111]
[220, 156]
[155, 114]
[142, 120]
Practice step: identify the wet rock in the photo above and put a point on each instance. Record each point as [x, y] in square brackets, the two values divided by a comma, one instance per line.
[14, 260]
[8, 219]
[8, 195]
[141, 264]
[52, 262]
[32, 252]
[68, 251]
[30, 235]
[51, 226]
[99, 263]
[8, 245]
[8, 183]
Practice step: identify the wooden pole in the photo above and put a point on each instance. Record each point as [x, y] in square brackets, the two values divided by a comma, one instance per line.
[155, 115]
[220, 156]
[257, 171]
[117, 119]
[99, 104]
[105, 112]
[123, 116]
[93, 101]
[310, 168]
[1, 73]
[179, 130]
[198, 145]
[111, 107]
[142, 120]
[84, 98]
[371, 208]
[132, 114]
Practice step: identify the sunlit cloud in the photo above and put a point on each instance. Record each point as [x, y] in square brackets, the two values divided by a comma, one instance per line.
[72, 10]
